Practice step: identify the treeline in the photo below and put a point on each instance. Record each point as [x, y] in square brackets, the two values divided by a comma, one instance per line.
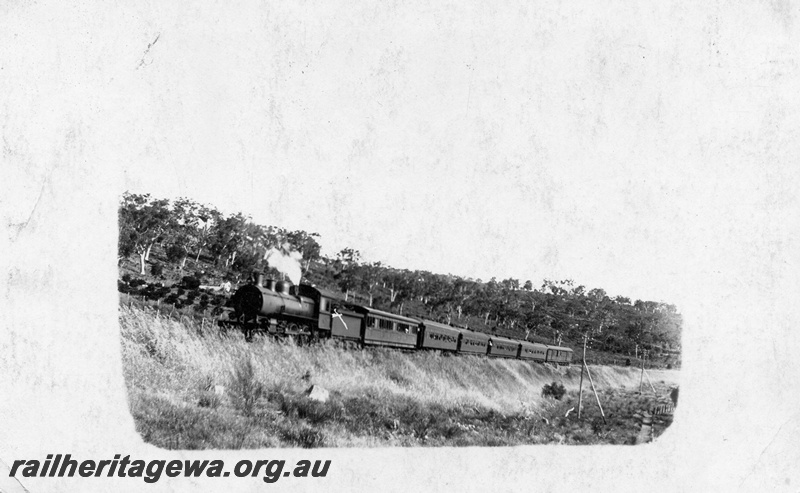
[186, 230]
[555, 312]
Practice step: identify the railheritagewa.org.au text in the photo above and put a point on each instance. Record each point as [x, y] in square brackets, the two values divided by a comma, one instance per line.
[151, 471]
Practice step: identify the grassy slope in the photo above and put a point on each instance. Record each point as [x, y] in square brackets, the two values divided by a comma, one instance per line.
[378, 397]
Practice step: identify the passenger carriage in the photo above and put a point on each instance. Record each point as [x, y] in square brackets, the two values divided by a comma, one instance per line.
[473, 342]
[500, 347]
[533, 351]
[387, 329]
[346, 324]
[559, 355]
[433, 335]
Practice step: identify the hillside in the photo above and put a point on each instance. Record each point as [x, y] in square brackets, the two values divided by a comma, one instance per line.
[192, 387]
[169, 250]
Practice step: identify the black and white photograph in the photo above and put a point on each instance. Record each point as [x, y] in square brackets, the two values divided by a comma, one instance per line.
[345, 246]
[313, 350]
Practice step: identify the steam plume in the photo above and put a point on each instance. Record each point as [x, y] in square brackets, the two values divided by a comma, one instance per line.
[285, 261]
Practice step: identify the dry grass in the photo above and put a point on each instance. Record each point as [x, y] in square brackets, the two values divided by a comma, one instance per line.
[378, 397]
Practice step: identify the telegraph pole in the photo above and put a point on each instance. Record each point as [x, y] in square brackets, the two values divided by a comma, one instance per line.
[597, 397]
[580, 386]
[641, 377]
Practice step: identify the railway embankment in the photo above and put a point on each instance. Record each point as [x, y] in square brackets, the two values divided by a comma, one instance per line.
[191, 386]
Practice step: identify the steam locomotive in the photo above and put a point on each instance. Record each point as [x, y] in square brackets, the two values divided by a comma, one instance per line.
[308, 313]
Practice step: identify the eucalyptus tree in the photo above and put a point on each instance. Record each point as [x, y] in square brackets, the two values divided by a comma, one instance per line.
[307, 245]
[399, 282]
[345, 270]
[189, 227]
[142, 223]
[230, 235]
[368, 276]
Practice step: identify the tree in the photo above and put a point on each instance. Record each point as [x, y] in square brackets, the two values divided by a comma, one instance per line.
[487, 299]
[348, 256]
[464, 292]
[142, 222]
[368, 276]
[188, 227]
[230, 235]
[399, 282]
[207, 218]
[558, 288]
[346, 270]
[510, 284]
[307, 245]
[600, 309]
[440, 294]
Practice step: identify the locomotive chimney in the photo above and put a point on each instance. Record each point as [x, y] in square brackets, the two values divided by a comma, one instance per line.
[260, 280]
[283, 287]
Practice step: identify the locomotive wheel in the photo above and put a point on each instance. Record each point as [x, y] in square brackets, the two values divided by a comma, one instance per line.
[310, 335]
[249, 326]
[294, 333]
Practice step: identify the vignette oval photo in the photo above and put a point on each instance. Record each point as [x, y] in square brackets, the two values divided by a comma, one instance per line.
[237, 335]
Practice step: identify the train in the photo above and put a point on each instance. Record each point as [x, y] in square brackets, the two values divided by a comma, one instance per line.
[308, 313]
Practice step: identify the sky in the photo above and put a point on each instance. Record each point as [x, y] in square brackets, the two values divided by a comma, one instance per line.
[526, 141]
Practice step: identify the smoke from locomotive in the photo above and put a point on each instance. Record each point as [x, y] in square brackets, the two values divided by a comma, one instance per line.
[285, 263]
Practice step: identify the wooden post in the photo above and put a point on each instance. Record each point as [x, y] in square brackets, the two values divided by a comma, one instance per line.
[597, 398]
[642, 374]
[646, 432]
[651, 383]
[580, 386]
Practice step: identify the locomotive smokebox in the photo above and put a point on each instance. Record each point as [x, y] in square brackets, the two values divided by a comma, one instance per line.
[248, 300]
[251, 300]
